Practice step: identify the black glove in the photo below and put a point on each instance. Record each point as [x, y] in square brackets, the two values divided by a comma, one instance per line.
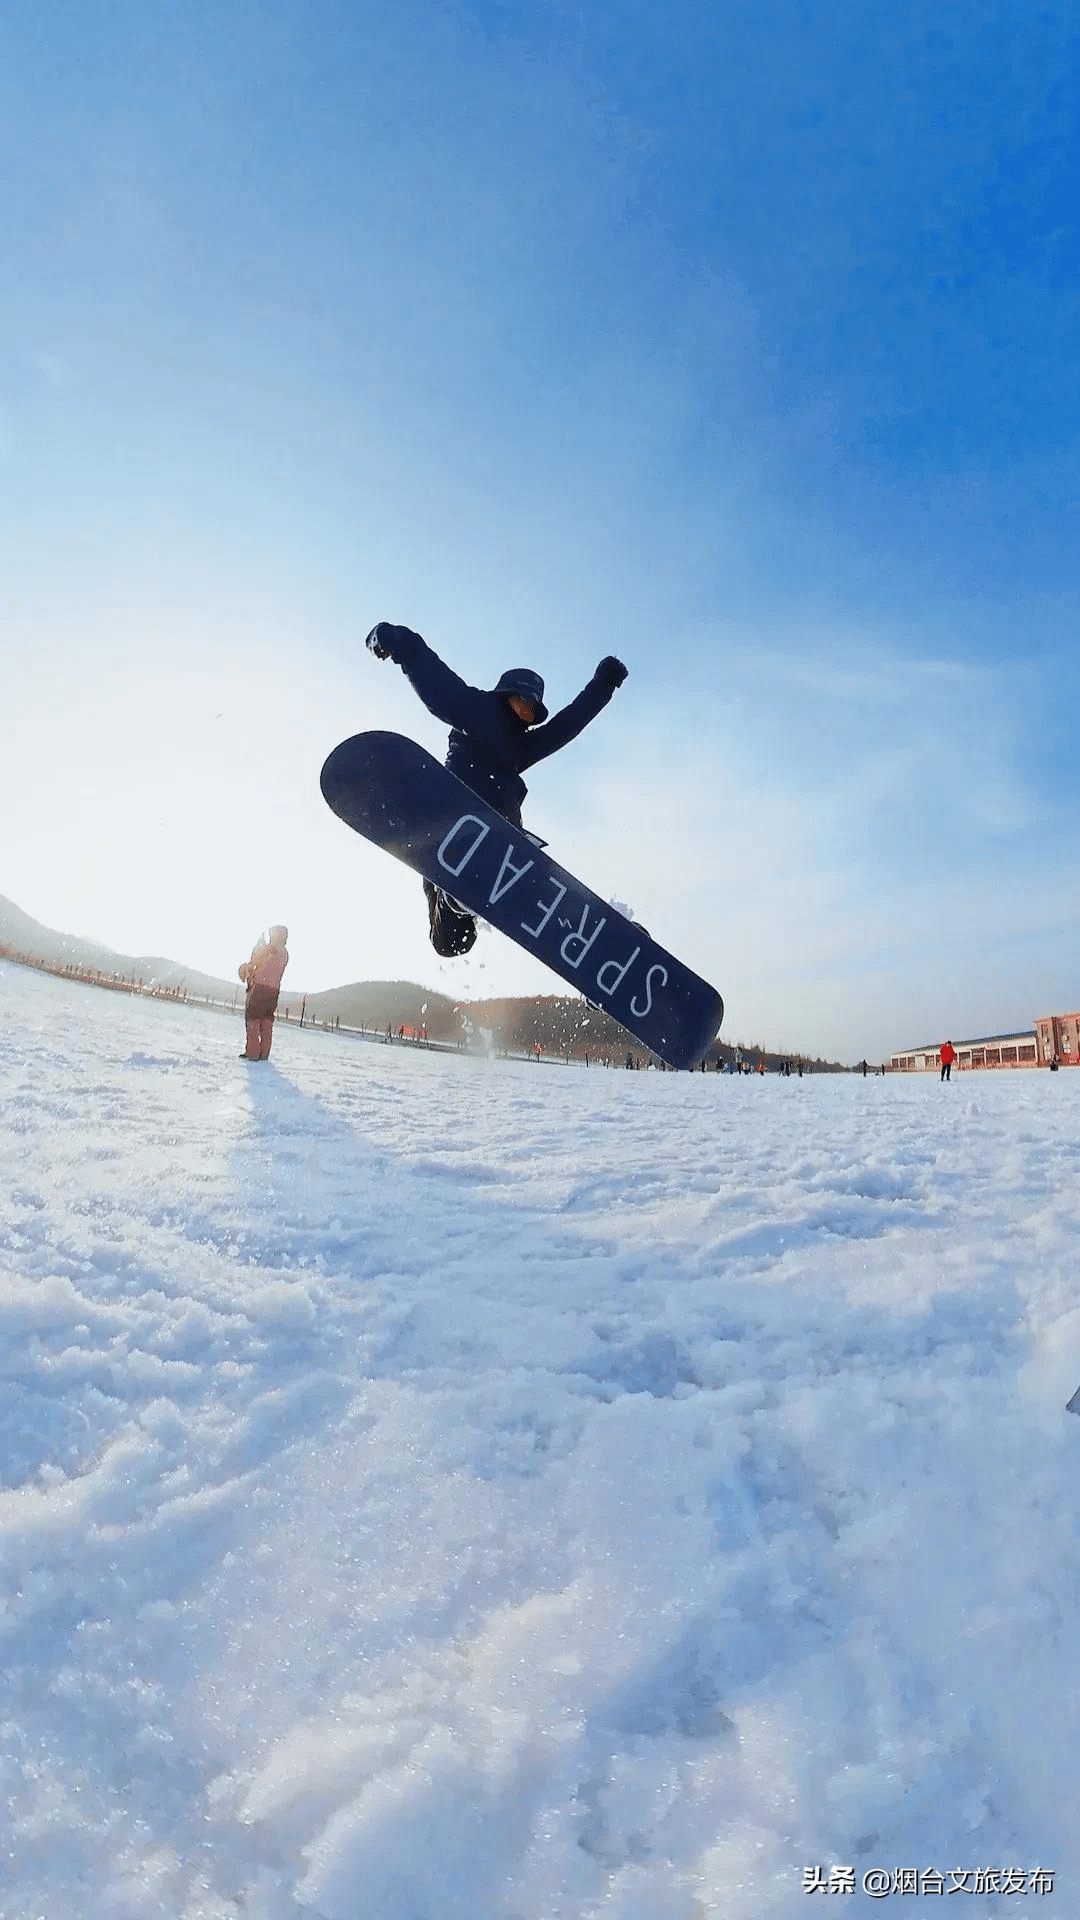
[611, 672]
[385, 641]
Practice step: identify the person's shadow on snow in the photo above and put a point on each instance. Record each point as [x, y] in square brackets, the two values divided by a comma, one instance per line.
[302, 1143]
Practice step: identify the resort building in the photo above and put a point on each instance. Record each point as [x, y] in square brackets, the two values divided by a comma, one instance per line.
[996, 1050]
[1054, 1037]
[1059, 1038]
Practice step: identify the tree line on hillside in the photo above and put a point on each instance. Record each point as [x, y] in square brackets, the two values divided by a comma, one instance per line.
[562, 1026]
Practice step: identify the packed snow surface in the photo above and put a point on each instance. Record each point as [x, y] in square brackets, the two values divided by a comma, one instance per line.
[451, 1489]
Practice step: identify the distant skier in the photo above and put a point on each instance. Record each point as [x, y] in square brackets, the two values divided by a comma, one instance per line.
[946, 1057]
[495, 735]
[262, 977]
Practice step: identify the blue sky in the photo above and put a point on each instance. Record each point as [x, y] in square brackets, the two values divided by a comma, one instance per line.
[742, 342]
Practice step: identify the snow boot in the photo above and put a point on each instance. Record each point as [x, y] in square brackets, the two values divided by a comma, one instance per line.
[453, 931]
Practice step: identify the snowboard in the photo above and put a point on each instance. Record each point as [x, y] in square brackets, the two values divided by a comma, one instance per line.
[397, 795]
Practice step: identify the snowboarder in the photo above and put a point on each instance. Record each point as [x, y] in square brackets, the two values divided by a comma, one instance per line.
[495, 735]
[262, 977]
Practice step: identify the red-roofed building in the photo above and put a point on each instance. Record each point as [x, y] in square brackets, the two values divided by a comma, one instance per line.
[1059, 1038]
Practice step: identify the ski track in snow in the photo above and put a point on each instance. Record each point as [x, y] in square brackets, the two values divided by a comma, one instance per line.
[435, 1487]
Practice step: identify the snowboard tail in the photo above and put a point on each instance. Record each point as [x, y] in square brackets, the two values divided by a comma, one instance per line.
[395, 794]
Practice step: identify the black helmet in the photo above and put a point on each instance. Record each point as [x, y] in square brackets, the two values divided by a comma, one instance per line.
[530, 686]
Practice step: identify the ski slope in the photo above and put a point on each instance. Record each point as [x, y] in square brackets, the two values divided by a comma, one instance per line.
[447, 1489]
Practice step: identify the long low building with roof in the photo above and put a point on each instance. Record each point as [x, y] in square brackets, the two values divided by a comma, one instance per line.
[1054, 1036]
[993, 1050]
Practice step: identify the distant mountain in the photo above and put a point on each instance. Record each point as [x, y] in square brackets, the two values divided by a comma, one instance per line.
[383, 1003]
[26, 936]
[366, 1003]
[559, 1023]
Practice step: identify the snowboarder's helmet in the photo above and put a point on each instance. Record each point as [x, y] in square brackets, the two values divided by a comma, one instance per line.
[529, 685]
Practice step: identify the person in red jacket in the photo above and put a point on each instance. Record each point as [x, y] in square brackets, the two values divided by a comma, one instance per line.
[947, 1056]
[262, 977]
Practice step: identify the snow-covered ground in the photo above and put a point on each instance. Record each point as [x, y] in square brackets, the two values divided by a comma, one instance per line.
[447, 1489]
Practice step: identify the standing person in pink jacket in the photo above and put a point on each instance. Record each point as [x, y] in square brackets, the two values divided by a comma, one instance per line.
[262, 977]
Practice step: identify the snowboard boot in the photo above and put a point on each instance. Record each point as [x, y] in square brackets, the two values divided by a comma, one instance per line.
[453, 931]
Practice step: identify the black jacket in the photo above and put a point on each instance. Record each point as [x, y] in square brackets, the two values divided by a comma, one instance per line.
[490, 747]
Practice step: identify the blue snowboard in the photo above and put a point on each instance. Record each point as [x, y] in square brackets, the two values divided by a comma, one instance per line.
[395, 794]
